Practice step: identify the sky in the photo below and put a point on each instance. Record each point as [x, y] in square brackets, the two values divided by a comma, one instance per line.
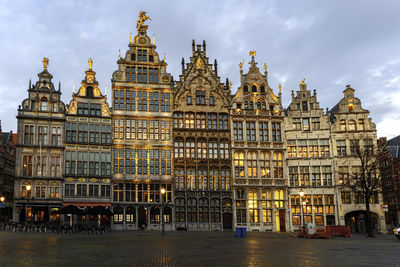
[330, 43]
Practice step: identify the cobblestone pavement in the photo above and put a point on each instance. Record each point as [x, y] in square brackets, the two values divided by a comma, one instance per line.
[195, 249]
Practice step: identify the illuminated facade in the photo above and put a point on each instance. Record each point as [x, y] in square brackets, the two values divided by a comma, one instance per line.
[202, 164]
[142, 146]
[351, 129]
[40, 152]
[258, 153]
[88, 149]
[312, 195]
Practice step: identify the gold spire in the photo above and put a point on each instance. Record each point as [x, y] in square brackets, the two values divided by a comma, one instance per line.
[280, 88]
[45, 63]
[154, 39]
[165, 57]
[265, 67]
[105, 91]
[241, 65]
[130, 38]
[119, 54]
[73, 88]
[90, 62]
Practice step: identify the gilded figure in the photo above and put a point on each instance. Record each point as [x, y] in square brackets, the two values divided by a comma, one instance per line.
[142, 19]
[45, 63]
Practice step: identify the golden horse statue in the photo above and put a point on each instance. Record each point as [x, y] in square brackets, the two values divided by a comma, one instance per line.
[142, 19]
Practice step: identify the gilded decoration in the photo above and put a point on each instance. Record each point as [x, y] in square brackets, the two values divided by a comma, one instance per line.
[45, 63]
[142, 18]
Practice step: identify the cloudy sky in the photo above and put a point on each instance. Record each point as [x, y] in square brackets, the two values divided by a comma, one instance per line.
[330, 43]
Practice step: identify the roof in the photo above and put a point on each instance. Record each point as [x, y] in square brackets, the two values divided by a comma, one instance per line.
[393, 146]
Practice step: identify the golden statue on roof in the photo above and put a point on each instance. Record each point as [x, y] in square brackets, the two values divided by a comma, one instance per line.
[252, 53]
[142, 19]
[90, 63]
[303, 82]
[265, 67]
[45, 63]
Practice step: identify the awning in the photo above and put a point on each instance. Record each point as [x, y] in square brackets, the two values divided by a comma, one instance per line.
[87, 204]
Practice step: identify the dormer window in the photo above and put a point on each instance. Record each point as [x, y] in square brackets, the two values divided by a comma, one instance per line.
[142, 55]
[246, 105]
[262, 89]
[54, 107]
[89, 92]
[254, 88]
[212, 101]
[258, 105]
[251, 105]
[133, 57]
[44, 105]
[304, 106]
[200, 97]
[151, 58]
[351, 107]
[246, 88]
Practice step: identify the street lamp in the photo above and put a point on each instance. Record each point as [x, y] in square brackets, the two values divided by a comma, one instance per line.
[2, 199]
[301, 193]
[162, 211]
[28, 190]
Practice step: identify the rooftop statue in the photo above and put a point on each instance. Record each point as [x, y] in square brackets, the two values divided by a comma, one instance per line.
[142, 19]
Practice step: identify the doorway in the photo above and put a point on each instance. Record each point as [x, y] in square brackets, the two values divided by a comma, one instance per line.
[142, 218]
[282, 222]
[227, 221]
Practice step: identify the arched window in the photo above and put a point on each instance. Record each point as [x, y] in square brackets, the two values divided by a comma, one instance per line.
[203, 210]
[246, 105]
[118, 215]
[343, 125]
[252, 165]
[189, 120]
[262, 89]
[246, 88]
[192, 210]
[180, 210]
[167, 214]
[352, 125]
[89, 92]
[215, 205]
[130, 214]
[154, 215]
[251, 105]
[278, 165]
[178, 120]
[254, 88]
[258, 105]
[200, 120]
[263, 106]
[239, 164]
[44, 105]
[265, 165]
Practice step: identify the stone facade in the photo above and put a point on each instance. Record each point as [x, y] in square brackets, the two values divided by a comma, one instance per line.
[88, 150]
[202, 156]
[142, 147]
[40, 152]
[258, 154]
[352, 128]
[309, 159]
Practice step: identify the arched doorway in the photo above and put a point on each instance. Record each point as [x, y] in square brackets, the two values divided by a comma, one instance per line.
[227, 216]
[142, 218]
[356, 220]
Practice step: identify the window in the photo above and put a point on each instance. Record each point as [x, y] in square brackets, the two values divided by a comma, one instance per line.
[200, 97]
[178, 149]
[189, 99]
[276, 132]
[254, 88]
[295, 209]
[56, 136]
[327, 175]
[241, 207]
[279, 198]
[224, 150]
[55, 170]
[118, 102]
[293, 176]
[302, 149]
[343, 125]
[142, 55]
[306, 124]
[118, 129]
[266, 203]
[304, 106]
[246, 88]
[118, 215]
[354, 147]
[142, 74]
[212, 121]
[94, 190]
[324, 147]
[213, 149]
[239, 164]
[352, 125]
[223, 121]
[265, 166]
[189, 120]
[341, 147]
[237, 130]
[251, 131]
[345, 197]
[296, 123]
[40, 191]
[251, 105]
[313, 148]
[201, 121]
[178, 120]
[42, 135]
[304, 176]
[253, 206]
[202, 148]
[41, 166]
[315, 123]
[70, 136]
[81, 190]
[130, 74]
[291, 148]
[69, 190]
[212, 101]
[190, 150]
[368, 146]
[278, 165]
[179, 178]
[361, 125]
[315, 176]
[118, 192]
[153, 75]
[263, 130]
[27, 166]
[343, 174]
[252, 165]
[202, 179]
[44, 105]
[28, 135]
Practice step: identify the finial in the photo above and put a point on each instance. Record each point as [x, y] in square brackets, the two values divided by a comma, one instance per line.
[154, 39]
[73, 88]
[30, 84]
[45, 63]
[252, 53]
[280, 88]
[230, 85]
[119, 54]
[204, 45]
[59, 86]
[90, 62]
[165, 57]
[105, 91]
[241, 65]
[141, 20]
[303, 82]
[130, 38]
[265, 67]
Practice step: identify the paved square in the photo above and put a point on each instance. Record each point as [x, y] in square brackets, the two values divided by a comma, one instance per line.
[193, 248]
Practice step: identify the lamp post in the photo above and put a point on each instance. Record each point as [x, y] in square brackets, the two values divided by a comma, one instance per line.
[28, 190]
[301, 193]
[2, 203]
[162, 210]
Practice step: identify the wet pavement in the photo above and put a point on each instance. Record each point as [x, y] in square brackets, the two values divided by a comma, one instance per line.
[195, 249]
